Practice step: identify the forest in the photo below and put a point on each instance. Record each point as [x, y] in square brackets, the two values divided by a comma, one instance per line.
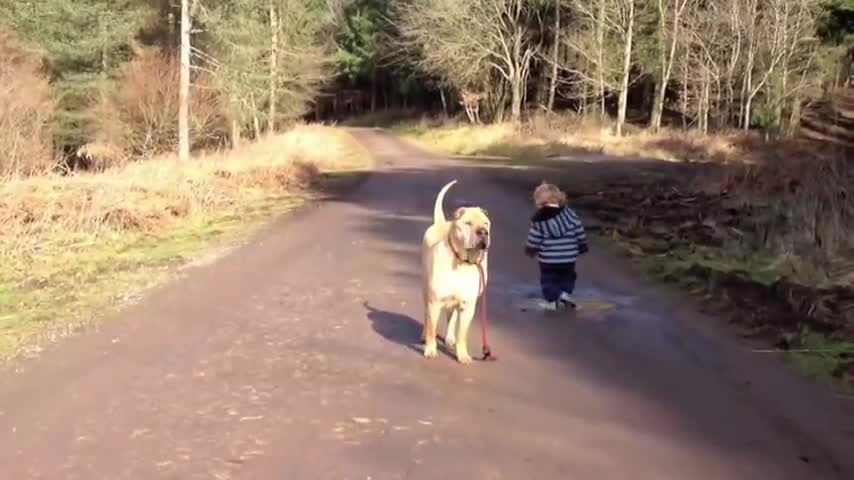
[94, 83]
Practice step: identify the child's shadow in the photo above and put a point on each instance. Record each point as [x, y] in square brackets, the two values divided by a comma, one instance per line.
[400, 329]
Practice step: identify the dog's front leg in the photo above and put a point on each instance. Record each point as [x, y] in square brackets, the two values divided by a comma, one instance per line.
[432, 315]
[466, 314]
[451, 335]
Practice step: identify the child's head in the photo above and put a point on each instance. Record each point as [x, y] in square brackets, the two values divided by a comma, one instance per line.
[548, 194]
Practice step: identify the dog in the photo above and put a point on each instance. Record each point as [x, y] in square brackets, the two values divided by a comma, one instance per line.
[454, 257]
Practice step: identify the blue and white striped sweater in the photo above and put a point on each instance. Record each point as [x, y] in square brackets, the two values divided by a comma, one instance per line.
[556, 236]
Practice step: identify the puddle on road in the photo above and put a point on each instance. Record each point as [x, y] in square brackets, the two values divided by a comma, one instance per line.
[524, 297]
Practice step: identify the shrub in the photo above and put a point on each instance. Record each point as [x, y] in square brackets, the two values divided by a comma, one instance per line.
[139, 117]
[26, 108]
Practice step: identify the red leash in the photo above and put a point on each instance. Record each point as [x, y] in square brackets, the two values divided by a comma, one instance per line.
[487, 352]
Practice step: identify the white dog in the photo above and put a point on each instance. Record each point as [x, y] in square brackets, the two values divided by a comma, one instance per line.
[454, 261]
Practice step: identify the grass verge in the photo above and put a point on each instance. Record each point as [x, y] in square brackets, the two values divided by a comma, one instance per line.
[73, 248]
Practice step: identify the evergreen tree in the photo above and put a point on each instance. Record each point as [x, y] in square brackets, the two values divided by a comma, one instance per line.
[83, 42]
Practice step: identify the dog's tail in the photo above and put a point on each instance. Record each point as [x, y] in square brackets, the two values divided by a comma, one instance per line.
[438, 209]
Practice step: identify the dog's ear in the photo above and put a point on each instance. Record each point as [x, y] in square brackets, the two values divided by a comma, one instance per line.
[459, 213]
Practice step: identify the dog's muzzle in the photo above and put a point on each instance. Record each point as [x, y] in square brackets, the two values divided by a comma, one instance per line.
[482, 238]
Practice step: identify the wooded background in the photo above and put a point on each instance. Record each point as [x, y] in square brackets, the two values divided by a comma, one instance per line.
[98, 82]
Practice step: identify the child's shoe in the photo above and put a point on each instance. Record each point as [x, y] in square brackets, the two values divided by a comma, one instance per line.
[547, 305]
[567, 301]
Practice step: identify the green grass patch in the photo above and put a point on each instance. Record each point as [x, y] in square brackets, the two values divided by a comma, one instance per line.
[823, 358]
[64, 288]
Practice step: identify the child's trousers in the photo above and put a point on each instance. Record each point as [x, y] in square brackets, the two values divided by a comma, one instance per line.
[557, 278]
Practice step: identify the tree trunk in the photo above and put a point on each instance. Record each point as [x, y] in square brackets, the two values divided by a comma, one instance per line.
[235, 133]
[374, 89]
[782, 94]
[184, 85]
[748, 104]
[685, 100]
[627, 68]
[516, 97]
[747, 88]
[600, 47]
[582, 102]
[553, 85]
[665, 63]
[795, 117]
[274, 68]
[173, 39]
[648, 86]
[705, 102]
[444, 101]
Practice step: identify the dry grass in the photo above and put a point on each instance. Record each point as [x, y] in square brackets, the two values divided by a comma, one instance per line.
[71, 244]
[548, 136]
[26, 108]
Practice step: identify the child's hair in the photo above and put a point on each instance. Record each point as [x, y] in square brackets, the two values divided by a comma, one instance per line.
[548, 193]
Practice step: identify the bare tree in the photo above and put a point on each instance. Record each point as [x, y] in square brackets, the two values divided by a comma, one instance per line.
[670, 18]
[604, 41]
[797, 71]
[465, 41]
[703, 52]
[555, 55]
[589, 41]
[765, 48]
[600, 51]
[626, 13]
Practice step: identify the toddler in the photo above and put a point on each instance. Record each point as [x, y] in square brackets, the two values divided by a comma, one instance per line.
[557, 239]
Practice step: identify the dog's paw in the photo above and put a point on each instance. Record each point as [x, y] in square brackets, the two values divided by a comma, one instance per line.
[450, 341]
[430, 352]
[464, 358]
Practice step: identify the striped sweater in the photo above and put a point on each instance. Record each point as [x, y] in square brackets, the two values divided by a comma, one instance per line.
[556, 236]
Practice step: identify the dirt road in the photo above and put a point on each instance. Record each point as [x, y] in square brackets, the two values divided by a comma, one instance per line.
[296, 357]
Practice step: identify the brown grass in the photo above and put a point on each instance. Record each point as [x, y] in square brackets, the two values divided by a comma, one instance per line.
[63, 238]
[139, 118]
[567, 134]
[149, 196]
[26, 108]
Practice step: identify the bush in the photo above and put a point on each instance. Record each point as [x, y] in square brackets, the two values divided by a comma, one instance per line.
[139, 118]
[26, 108]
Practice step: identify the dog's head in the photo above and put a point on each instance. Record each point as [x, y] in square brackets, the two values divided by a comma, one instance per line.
[470, 231]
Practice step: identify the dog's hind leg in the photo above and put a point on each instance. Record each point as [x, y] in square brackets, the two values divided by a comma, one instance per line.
[466, 314]
[432, 315]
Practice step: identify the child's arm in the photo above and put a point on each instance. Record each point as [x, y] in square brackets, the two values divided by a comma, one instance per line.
[534, 241]
[580, 237]
[579, 234]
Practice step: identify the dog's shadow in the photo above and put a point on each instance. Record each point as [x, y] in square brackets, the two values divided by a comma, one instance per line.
[400, 329]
